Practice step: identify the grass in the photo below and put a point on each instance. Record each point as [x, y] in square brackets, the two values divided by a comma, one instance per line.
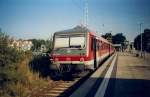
[29, 80]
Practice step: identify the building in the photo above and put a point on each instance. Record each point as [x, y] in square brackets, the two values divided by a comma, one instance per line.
[118, 47]
[21, 44]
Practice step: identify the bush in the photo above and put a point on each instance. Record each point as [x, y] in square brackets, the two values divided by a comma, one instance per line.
[41, 64]
[9, 57]
[16, 78]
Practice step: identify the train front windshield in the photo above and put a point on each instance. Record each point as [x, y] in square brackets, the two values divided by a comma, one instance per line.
[70, 44]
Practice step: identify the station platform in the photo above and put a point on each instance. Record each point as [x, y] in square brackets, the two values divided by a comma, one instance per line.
[131, 77]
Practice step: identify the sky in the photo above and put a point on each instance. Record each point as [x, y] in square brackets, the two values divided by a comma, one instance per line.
[29, 19]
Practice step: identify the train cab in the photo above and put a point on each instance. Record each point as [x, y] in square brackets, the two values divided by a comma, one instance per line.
[78, 49]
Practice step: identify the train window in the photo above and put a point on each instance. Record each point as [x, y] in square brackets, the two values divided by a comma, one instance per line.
[93, 44]
[77, 42]
[107, 46]
[104, 45]
[61, 42]
[101, 45]
[92, 40]
[67, 41]
[97, 45]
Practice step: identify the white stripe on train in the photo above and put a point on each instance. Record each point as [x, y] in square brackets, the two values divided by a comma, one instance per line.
[89, 63]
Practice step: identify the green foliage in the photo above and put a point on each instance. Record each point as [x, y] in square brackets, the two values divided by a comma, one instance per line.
[107, 36]
[38, 42]
[145, 41]
[119, 38]
[9, 57]
[3, 41]
[16, 78]
[41, 64]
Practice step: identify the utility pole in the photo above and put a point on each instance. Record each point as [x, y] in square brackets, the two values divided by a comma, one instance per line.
[141, 38]
[86, 13]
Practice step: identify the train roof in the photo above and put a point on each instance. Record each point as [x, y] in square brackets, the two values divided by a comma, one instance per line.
[79, 29]
[82, 29]
[103, 39]
[98, 36]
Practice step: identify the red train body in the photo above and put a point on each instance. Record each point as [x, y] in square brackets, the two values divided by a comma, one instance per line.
[79, 49]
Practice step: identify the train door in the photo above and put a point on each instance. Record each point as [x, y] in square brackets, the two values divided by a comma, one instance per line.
[94, 52]
[109, 48]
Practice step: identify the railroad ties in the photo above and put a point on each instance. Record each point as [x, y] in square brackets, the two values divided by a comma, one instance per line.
[96, 84]
[55, 90]
[60, 88]
[100, 83]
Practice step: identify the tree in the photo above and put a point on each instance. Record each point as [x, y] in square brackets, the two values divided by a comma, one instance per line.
[16, 77]
[38, 42]
[145, 41]
[137, 42]
[119, 38]
[108, 36]
[9, 58]
[49, 44]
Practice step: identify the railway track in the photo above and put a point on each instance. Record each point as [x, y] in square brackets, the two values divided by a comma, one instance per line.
[62, 88]
[54, 90]
[97, 82]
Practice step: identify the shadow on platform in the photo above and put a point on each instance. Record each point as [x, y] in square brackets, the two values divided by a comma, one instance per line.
[117, 88]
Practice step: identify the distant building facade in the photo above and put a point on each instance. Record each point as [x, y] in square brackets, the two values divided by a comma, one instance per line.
[118, 47]
[22, 44]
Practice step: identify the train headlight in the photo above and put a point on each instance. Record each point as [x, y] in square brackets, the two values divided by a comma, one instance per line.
[56, 59]
[81, 59]
[68, 59]
[51, 59]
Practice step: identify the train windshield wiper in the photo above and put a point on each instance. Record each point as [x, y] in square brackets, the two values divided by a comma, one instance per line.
[75, 46]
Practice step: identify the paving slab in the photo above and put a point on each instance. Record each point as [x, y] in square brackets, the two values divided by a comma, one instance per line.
[132, 77]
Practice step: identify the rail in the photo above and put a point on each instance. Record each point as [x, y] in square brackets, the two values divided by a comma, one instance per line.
[77, 87]
[95, 78]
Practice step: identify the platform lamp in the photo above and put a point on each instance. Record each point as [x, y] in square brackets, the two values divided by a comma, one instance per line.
[141, 38]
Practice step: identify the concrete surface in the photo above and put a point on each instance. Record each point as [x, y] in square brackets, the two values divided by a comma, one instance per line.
[131, 77]
[91, 83]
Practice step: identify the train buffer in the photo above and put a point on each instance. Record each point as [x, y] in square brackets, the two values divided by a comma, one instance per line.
[122, 75]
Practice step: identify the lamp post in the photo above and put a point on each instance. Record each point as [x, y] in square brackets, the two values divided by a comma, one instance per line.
[141, 37]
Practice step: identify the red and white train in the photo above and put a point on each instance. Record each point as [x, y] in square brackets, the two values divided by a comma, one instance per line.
[78, 49]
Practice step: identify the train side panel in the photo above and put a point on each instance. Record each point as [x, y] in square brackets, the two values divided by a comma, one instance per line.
[102, 50]
[97, 50]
